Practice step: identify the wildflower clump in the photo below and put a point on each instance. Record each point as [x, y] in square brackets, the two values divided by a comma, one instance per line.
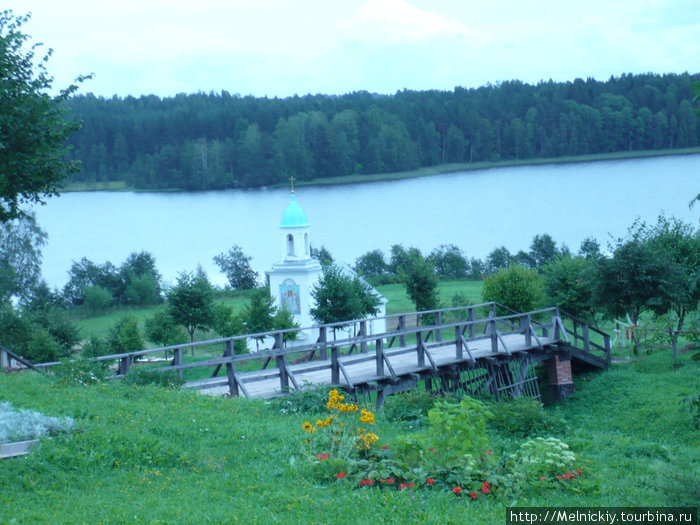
[339, 434]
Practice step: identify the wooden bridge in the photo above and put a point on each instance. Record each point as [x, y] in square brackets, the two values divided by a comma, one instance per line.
[474, 349]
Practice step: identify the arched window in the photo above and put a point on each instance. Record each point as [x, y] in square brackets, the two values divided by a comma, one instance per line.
[290, 245]
[306, 244]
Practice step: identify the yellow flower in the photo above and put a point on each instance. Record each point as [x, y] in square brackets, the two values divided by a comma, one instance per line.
[367, 417]
[308, 427]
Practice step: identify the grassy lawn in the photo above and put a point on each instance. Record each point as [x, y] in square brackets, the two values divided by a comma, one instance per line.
[396, 293]
[153, 455]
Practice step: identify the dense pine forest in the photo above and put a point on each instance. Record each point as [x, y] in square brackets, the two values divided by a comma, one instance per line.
[211, 141]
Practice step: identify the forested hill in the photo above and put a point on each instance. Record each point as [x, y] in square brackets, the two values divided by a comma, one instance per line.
[211, 141]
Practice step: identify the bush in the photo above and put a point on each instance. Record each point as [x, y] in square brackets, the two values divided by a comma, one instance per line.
[411, 406]
[459, 429]
[81, 372]
[515, 287]
[523, 417]
[541, 458]
[151, 376]
[310, 399]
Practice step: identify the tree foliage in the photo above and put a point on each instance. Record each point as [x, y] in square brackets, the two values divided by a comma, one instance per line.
[190, 302]
[569, 283]
[21, 241]
[236, 266]
[516, 287]
[32, 124]
[210, 141]
[421, 282]
[340, 296]
[124, 336]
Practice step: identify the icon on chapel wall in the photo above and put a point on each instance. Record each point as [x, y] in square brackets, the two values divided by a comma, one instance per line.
[289, 296]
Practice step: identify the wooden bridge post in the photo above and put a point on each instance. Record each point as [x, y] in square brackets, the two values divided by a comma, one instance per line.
[177, 360]
[402, 327]
[458, 342]
[124, 364]
[380, 357]
[335, 365]
[4, 359]
[363, 335]
[606, 343]
[419, 349]
[231, 369]
[281, 360]
[438, 322]
[555, 324]
[470, 318]
[492, 328]
[323, 339]
[586, 338]
[525, 329]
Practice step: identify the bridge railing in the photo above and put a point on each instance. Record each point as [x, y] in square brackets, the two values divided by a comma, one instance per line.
[457, 326]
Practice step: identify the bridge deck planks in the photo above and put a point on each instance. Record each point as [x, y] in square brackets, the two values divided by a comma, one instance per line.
[361, 368]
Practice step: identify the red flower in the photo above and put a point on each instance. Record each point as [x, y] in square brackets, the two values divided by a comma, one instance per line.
[411, 485]
[385, 447]
[578, 472]
[473, 495]
[390, 481]
[489, 452]
[370, 482]
[457, 490]
[543, 478]
[341, 475]
[323, 456]
[430, 481]
[558, 476]
[432, 449]
[486, 487]
[403, 486]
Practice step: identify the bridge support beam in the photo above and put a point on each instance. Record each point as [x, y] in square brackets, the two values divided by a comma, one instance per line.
[561, 382]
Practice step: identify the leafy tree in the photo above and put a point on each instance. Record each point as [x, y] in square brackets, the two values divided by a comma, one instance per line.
[516, 287]
[371, 264]
[227, 324]
[32, 124]
[96, 299]
[161, 329]
[633, 279]
[125, 336]
[284, 320]
[421, 283]
[258, 314]
[498, 259]
[449, 262]
[543, 250]
[339, 296]
[569, 283]
[590, 248]
[236, 266]
[680, 243]
[21, 241]
[322, 255]
[95, 347]
[190, 302]
[400, 258]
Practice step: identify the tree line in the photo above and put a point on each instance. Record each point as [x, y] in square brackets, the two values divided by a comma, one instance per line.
[220, 140]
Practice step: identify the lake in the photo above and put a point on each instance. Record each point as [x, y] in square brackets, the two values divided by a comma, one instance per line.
[475, 210]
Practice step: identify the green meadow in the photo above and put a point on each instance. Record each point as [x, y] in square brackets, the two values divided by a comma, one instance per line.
[147, 454]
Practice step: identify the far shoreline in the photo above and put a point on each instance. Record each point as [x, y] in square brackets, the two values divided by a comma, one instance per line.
[441, 169]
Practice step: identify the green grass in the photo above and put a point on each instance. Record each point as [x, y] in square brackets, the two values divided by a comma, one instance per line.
[152, 455]
[399, 301]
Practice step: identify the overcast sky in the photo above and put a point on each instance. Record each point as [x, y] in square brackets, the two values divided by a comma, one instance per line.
[286, 47]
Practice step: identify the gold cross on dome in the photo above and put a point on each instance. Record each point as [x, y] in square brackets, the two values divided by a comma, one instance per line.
[291, 179]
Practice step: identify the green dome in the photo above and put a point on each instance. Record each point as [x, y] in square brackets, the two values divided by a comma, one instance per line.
[294, 216]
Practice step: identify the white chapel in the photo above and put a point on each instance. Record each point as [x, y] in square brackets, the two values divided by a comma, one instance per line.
[293, 277]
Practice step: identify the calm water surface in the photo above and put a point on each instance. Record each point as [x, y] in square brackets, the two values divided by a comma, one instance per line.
[476, 210]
